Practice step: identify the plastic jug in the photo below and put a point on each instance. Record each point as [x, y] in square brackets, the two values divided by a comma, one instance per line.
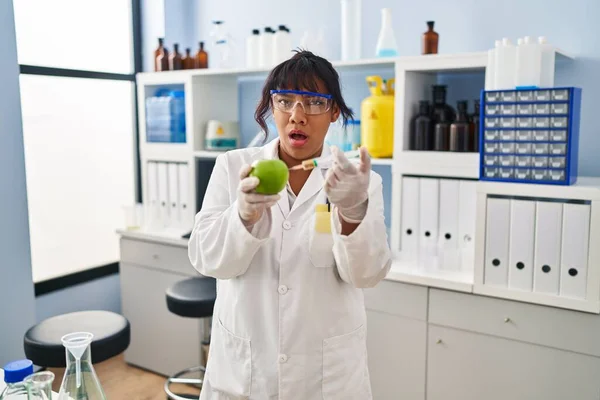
[377, 118]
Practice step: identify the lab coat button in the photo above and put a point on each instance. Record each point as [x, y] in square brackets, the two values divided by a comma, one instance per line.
[282, 289]
[283, 358]
[287, 225]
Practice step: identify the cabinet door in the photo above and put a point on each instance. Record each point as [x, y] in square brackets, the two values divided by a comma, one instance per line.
[160, 341]
[469, 366]
[396, 351]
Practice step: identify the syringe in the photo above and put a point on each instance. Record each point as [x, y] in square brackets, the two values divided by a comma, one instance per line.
[323, 162]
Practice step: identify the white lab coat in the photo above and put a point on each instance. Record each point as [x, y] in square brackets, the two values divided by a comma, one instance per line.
[289, 321]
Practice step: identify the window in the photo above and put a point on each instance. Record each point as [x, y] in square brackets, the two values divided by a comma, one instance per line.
[78, 63]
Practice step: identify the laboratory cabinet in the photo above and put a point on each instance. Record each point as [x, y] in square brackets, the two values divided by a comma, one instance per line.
[161, 341]
[469, 366]
[396, 340]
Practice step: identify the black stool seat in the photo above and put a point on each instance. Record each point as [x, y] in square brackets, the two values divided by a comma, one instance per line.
[111, 336]
[193, 298]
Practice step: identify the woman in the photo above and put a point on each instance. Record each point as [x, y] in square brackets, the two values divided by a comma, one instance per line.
[289, 320]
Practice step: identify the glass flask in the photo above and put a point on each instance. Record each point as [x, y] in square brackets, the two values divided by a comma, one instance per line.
[80, 381]
[39, 385]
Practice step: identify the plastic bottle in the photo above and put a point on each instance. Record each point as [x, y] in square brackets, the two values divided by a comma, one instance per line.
[252, 49]
[430, 40]
[351, 29]
[14, 374]
[266, 48]
[490, 69]
[422, 128]
[460, 135]
[223, 45]
[201, 57]
[386, 42]
[529, 62]
[547, 63]
[505, 65]
[282, 45]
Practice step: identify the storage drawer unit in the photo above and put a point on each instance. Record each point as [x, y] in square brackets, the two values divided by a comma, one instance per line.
[533, 122]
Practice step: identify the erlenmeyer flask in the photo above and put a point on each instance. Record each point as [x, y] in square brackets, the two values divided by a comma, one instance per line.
[80, 381]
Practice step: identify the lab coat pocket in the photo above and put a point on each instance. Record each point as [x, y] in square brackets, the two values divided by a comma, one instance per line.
[345, 373]
[320, 245]
[229, 363]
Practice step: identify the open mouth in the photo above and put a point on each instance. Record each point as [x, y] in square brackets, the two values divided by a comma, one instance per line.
[298, 138]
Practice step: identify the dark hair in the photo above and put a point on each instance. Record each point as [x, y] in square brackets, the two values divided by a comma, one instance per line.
[301, 72]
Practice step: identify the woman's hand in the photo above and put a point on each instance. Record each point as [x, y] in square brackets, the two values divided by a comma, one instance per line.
[347, 185]
[252, 205]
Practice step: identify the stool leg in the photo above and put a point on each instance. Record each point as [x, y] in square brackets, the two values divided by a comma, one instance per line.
[205, 344]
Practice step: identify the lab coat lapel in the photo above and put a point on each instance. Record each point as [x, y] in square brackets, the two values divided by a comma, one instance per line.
[314, 183]
[271, 152]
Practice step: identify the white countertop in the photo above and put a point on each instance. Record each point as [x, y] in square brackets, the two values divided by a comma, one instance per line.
[162, 237]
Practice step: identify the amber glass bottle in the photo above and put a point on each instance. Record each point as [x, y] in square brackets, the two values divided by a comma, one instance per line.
[201, 57]
[460, 133]
[161, 57]
[175, 61]
[430, 40]
[475, 128]
[188, 61]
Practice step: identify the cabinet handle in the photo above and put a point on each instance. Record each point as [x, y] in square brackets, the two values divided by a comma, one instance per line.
[439, 341]
[507, 320]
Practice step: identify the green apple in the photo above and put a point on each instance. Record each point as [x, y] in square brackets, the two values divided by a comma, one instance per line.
[272, 174]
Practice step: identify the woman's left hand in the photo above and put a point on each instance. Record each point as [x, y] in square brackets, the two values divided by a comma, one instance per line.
[347, 185]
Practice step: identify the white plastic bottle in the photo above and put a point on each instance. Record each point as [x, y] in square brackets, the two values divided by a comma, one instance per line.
[282, 46]
[505, 65]
[252, 49]
[386, 42]
[490, 69]
[266, 48]
[529, 60]
[547, 63]
[351, 28]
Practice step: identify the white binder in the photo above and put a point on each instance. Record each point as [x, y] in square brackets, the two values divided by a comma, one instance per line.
[174, 193]
[574, 250]
[448, 251]
[546, 263]
[467, 209]
[185, 212]
[428, 221]
[496, 242]
[522, 240]
[410, 218]
[163, 192]
[152, 181]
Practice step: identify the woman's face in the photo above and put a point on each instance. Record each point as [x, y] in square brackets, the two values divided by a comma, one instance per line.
[301, 136]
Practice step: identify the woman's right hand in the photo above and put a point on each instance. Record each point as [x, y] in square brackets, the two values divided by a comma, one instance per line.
[252, 205]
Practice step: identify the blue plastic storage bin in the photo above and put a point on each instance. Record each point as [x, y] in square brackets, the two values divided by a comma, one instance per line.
[530, 136]
[165, 117]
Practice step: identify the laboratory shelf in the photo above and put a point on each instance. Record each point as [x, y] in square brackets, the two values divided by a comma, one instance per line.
[439, 163]
[207, 154]
[407, 272]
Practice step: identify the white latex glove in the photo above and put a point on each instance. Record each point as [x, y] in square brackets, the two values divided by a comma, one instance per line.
[252, 205]
[347, 185]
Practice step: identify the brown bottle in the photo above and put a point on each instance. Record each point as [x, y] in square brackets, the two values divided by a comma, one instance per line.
[475, 128]
[161, 57]
[430, 40]
[201, 57]
[188, 61]
[175, 61]
[460, 132]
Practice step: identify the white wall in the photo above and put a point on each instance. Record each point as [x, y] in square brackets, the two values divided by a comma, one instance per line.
[17, 311]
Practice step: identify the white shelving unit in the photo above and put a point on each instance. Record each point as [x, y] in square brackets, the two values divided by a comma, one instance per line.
[209, 90]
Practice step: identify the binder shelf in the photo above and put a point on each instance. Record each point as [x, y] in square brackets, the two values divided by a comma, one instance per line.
[535, 243]
[530, 136]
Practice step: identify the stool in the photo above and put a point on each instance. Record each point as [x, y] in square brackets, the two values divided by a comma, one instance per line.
[192, 298]
[111, 337]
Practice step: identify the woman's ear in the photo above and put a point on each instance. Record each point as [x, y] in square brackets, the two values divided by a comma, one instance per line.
[336, 113]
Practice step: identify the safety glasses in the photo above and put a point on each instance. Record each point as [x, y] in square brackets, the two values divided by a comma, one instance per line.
[312, 103]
